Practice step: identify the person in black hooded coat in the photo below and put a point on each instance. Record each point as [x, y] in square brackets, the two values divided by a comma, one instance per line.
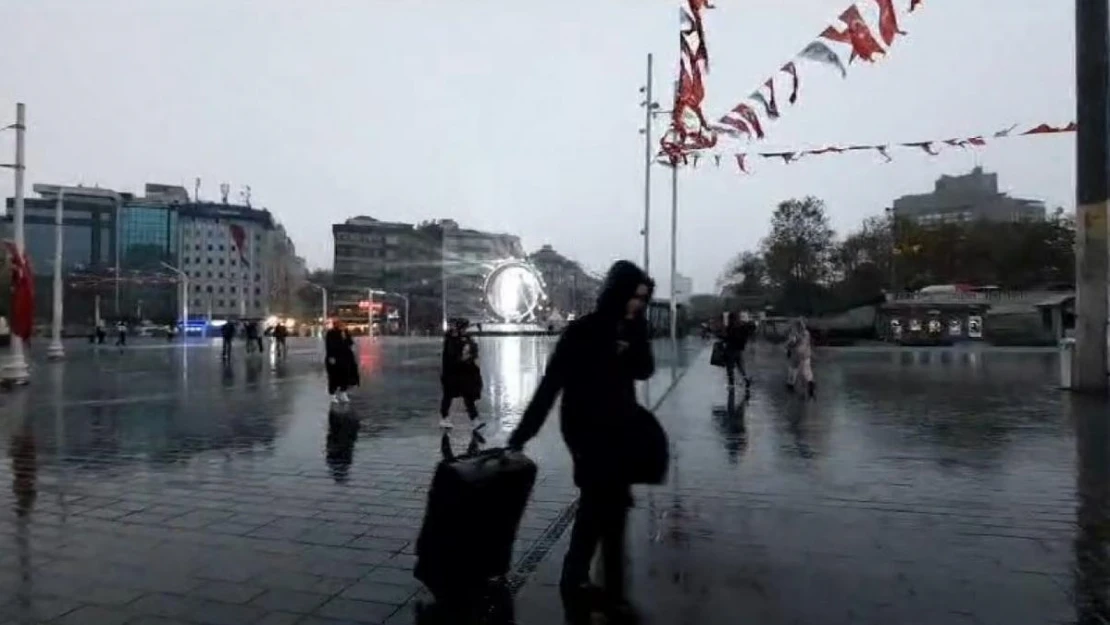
[595, 365]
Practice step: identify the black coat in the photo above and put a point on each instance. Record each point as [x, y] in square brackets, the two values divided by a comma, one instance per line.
[595, 365]
[342, 367]
[460, 375]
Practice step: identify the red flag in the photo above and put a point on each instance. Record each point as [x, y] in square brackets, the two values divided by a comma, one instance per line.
[239, 236]
[745, 111]
[857, 33]
[772, 105]
[792, 69]
[741, 162]
[888, 21]
[23, 293]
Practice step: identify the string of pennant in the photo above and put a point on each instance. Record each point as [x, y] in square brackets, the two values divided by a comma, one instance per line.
[931, 147]
[689, 129]
[855, 34]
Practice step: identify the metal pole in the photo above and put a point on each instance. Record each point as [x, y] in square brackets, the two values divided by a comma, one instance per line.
[647, 166]
[1092, 69]
[96, 310]
[56, 351]
[324, 303]
[407, 333]
[674, 249]
[370, 313]
[15, 369]
[184, 306]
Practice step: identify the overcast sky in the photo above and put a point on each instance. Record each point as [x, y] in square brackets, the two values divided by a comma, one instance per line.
[517, 116]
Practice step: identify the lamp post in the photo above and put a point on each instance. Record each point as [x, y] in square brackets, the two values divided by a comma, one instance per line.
[184, 299]
[14, 370]
[370, 313]
[323, 305]
[56, 351]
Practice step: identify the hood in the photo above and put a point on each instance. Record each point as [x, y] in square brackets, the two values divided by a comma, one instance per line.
[619, 287]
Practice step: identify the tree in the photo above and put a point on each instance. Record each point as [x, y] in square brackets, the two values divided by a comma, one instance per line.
[798, 249]
[745, 274]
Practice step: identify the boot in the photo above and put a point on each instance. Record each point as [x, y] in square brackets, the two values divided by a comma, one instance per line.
[811, 389]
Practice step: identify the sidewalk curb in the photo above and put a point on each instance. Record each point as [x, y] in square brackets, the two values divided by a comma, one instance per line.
[532, 558]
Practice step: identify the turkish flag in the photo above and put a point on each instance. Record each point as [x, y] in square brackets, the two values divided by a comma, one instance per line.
[23, 294]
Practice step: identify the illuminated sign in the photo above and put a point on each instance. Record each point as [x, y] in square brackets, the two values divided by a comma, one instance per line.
[366, 305]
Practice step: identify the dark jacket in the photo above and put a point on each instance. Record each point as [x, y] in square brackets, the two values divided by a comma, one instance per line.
[341, 365]
[460, 375]
[736, 335]
[595, 365]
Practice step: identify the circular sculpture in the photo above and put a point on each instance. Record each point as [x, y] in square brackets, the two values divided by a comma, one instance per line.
[513, 291]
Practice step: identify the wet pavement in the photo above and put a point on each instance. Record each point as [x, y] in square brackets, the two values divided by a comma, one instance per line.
[921, 487]
[153, 485]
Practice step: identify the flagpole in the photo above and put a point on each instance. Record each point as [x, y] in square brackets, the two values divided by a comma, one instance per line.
[649, 106]
[15, 369]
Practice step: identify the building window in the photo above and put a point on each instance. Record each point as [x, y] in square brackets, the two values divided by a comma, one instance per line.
[231, 303]
[209, 248]
[232, 289]
[221, 248]
[257, 291]
[209, 274]
[221, 261]
[220, 290]
[196, 303]
[221, 275]
[220, 303]
[209, 261]
[208, 288]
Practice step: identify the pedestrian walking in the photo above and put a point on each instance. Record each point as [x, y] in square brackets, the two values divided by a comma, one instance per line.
[460, 375]
[595, 365]
[250, 335]
[121, 334]
[735, 335]
[227, 333]
[280, 334]
[341, 366]
[799, 354]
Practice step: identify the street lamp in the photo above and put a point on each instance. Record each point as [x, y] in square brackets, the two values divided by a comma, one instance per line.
[323, 304]
[395, 294]
[56, 351]
[184, 299]
[14, 370]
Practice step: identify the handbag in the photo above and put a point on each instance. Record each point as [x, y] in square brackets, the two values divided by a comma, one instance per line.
[647, 450]
[718, 357]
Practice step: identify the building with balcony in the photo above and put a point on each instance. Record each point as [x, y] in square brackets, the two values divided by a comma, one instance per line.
[974, 196]
[399, 258]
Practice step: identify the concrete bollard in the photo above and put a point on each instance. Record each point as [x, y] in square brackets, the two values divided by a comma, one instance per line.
[1067, 362]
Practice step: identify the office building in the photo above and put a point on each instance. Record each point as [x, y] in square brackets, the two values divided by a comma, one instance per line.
[971, 197]
[88, 239]
[404, 260]
[439, 266]
[227, 253]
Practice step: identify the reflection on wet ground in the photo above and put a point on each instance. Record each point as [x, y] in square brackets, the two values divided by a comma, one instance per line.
[155, 485]
[920, 487]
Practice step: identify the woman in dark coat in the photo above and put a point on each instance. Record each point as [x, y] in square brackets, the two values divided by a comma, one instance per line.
[595, 365]
[461, 375]
[341, 365]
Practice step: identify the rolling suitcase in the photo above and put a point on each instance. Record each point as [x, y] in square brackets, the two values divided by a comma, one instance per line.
[474, 508]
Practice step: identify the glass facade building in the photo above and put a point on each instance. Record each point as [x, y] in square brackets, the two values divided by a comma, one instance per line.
[148, 238]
